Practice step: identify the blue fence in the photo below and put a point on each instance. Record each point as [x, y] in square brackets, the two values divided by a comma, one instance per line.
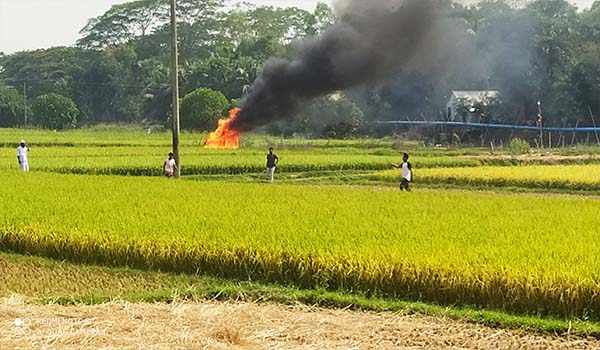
[492, 126]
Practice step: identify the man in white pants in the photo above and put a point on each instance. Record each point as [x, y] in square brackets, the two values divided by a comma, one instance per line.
[272, 161]
[22, 151]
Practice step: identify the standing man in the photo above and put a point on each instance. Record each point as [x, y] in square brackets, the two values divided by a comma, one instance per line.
[169, 166]
[407, 175]
[22, 151]
[272, 161]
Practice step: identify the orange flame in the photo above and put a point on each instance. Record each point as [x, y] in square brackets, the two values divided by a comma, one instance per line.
[225, 137]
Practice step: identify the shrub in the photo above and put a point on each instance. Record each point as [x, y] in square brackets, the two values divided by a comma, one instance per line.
[518, 146]
[55, 111]
[202, 108]
[11, 107]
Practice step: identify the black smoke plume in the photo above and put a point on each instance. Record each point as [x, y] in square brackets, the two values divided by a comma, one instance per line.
[372, 39]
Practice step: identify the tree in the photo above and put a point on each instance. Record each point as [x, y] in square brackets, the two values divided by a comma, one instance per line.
[145, 23]
[262, 32]
[324, 17]
[229, 76]
[44, 71]
[202, 108]
[55, 111]
[333, 116]
[557, 34]
[119, 72]
[123, 23]
[12, 107]
[585, 73]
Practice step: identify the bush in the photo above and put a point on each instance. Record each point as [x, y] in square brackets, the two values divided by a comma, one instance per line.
[55, 111]
[12, 109]
[202, 108]
[518, 146]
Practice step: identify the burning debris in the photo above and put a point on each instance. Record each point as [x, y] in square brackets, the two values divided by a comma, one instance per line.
[225, 137]
[372, 40]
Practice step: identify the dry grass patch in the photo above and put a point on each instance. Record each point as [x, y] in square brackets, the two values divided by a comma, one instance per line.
[245, 326]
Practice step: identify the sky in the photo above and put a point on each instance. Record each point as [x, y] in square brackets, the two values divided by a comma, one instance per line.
[36, 24]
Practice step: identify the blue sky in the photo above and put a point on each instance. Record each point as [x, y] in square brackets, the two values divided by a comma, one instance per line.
[34, 24]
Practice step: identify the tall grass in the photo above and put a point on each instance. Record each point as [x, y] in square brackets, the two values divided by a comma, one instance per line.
[147, 160]
[524, 255]
[567, 177]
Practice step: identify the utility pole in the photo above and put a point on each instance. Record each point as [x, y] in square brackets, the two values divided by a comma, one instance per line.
[25, 102]
[540, 123]
[175, 86]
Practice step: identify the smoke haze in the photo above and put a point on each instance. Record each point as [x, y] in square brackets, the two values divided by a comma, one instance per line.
[372, 40]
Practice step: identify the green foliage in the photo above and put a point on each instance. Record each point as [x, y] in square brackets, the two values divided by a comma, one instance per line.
[231, 76]
[119, 72]
[333, 116]
[12, 107]
[202, 108]
[44, 71]
[518, 146]
[55, 111]
[122, 23]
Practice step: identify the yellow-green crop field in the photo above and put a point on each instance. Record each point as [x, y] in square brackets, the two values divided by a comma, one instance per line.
[130, 152]
[536, 256]
[568, 177]
[147, 160]
[525, 254]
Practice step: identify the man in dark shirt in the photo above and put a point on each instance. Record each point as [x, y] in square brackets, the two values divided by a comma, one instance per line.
[272, 161]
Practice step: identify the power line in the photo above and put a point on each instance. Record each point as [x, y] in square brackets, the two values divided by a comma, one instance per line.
[491, 126]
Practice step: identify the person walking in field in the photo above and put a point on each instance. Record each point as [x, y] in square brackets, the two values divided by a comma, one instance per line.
[169, 166]
[272, 161]
[407, 173]
[22, 152]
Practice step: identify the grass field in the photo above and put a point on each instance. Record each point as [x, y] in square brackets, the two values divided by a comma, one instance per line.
[131, 152]
[147, 160]
[488, 250]
[567, 177]
[521, 254]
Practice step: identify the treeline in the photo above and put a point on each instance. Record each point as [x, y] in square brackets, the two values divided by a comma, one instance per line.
[119, 70]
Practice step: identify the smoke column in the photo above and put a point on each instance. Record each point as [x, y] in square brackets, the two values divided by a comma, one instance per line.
[373, 39]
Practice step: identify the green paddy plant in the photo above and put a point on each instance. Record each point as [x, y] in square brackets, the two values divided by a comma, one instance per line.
[526, 255]
[544, 177]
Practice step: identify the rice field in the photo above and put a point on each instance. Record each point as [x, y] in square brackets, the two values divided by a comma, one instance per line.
[523, 254]
[493, 251]
[566, 177]
[147, 161]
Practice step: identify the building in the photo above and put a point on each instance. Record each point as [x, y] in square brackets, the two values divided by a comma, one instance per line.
[470, 106]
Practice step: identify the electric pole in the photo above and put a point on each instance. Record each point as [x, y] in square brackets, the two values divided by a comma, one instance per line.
[175, 86]
[540, 123]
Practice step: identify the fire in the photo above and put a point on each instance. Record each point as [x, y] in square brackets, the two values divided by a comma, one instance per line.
[225, 137]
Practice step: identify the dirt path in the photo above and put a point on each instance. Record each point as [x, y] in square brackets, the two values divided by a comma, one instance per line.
[216, 325]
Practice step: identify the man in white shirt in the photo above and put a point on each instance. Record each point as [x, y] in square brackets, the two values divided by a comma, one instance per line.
[169, 166]
[22, 151]
[407, 174]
